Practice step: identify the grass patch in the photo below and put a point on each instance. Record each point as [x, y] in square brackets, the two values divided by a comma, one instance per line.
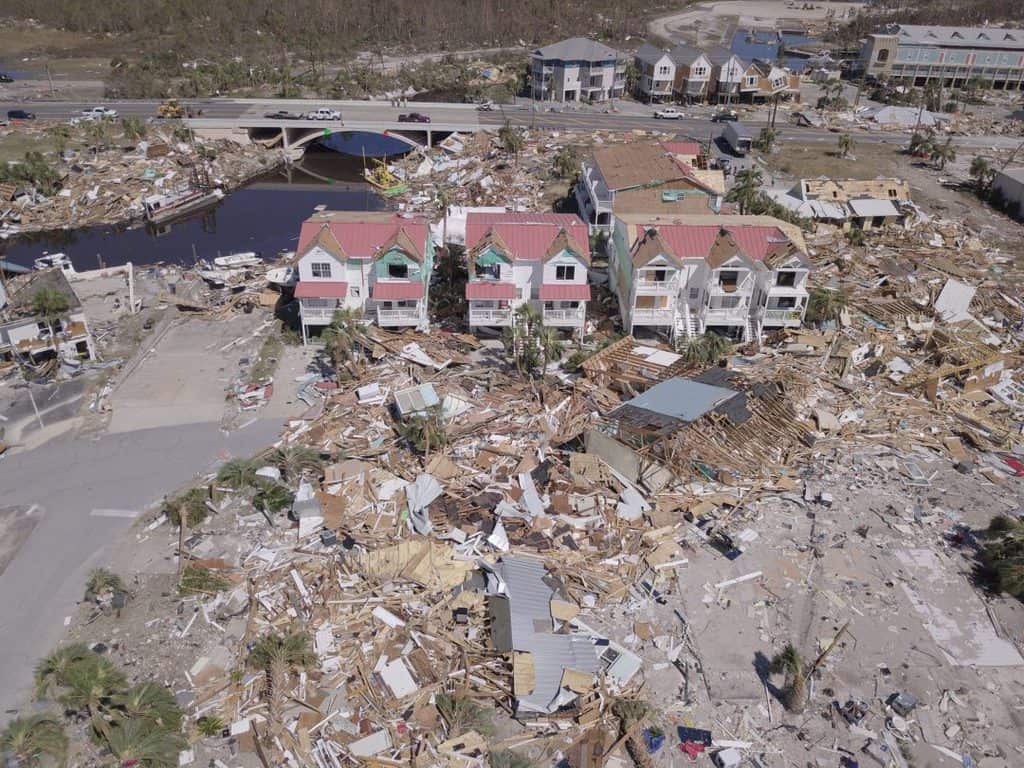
[202, 581]
[192, 502]
[267, 360]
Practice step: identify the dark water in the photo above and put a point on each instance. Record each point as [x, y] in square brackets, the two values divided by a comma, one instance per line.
[264, 216]
[765, 45]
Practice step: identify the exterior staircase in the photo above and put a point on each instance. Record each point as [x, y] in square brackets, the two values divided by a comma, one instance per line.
[752, 331]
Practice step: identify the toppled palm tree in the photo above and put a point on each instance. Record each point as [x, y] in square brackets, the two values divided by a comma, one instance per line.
[706, 349]
[90, 687]
[424, 431]
[237, 473]
[794, 691]
[279, 656]
[135, 742]
[1002, 555]
[340, 341]
[149, 702]
[825, 304]
[462, 714]
[35, 740]
[50, 672]
[102, 582]
[631, 714]
[294, 460]
[273, 498]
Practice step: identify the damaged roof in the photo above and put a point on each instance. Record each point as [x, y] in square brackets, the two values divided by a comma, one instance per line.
[22, 290]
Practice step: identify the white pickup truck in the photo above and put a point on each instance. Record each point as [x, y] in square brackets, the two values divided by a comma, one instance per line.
[324, 114]
[668, 113]
[94, 113]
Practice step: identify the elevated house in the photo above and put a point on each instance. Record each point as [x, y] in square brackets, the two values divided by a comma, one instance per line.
[645, 178]
[577, 69]
[732, 275]
[727, 71]
[378, 264]
[693, 74]
[27, 335]
[520, 258]
[657, 73]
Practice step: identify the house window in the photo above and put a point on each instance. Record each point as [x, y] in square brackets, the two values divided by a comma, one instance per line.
[883, 55]
[728, 279]
[699, 71]
[57, 327]
[354, 291]
[488, 271]
[751, 81]
[320, 269]
[399, 271]
[694, 294]
[786, 302]
[565, 272]
[786, 279]
[892, 193]
[663, 70]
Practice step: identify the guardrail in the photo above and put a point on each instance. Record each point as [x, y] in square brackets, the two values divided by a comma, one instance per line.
[491, 317]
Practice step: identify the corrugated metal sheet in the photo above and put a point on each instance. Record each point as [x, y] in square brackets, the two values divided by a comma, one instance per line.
[527, 235]
[397, 291]
[873, 207]
[482, 289]
[361, 240]
[565, 292]
[321, 289]
[695, 241]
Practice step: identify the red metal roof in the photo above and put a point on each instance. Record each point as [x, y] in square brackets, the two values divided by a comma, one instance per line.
[565, 292]
[527, 235]
[484, 289]
[397, 291]
[682, 147]
[695, 241]
[321, 289]
[361, 239]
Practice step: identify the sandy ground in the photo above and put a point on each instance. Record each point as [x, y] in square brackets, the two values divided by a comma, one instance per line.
[709, 23]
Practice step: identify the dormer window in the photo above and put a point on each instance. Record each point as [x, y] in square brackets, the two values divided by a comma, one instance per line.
[398, 271]
[786, 279]
[728, 279]
[488, 271]
[320, 269]
[565, 272]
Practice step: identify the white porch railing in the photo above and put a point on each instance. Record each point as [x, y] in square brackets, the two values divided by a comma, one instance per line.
[787, 317]
[392, 317]
[564, 316]
[317, 315]
[743, 287]
[490, 317]
[657, 287]
[733, 316]
[653, 316]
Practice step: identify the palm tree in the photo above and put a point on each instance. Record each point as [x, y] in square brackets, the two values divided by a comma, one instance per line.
[706, 349]
[943, 153]
[921, 143]
[511, 140]
[51, 306]
[566, 163]
[340, 338]
[424, 430]
[746, 189]
[442, 202]
[133, 128]
[50, 672]
[846, 145]
[102, 581]
[90, 687]
[982, 173]
[766, 139]
[135, 742]
[825, 304]
[520, 338]
[631, 712]
[278, 656]
[551, 347]
[28, 740]
[789, 663]
[295, 459]
[237, 473]
[149, 702]
[273, 498]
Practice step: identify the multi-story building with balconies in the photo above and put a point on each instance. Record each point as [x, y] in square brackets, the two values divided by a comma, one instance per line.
[577, 69]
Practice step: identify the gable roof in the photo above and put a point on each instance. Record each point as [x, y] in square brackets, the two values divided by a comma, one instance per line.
[650, 246]
[724, 249]
[650, 54]
[563, 241]
[698, 241]
[640, 164]
[360, 234]
[974, 37]
[685, 55]
[581, 48]
[402, 242]
[720, 55]
[528, 236]
[22, 290]
[325, 240]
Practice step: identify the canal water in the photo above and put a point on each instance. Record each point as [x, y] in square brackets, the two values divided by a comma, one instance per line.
[765, 45]
[264, 216]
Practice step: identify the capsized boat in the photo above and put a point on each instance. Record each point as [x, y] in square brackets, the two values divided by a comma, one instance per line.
[286, 277]
[236, 260]
[163, 208]
[51, 260]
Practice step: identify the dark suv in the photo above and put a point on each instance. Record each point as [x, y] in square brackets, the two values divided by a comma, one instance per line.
[20, 114]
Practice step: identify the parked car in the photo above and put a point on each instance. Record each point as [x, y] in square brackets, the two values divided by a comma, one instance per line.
[725, 117]
[668, 113]
[98, 112]
[6, 78]
[324, 114]
[413, 117]
[20, 114]
[485, 106]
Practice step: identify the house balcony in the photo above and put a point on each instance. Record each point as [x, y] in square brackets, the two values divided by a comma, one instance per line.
[496, 318]
[660, 316]
[783, 318]
[565, 317]
[391, 318]
[73, 332]
[742, 287]
[657, 287]
[318, 315]
[730, 316]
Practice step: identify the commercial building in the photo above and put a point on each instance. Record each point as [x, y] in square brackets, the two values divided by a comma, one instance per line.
[577, 69]
[375, 263]
[918, 55]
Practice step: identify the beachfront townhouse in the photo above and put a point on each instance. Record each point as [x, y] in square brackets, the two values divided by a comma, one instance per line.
[727, 71]
[527, 258]
[721, 275]
[693, 73]
[577, 69]
[657, 73]
[378, 264]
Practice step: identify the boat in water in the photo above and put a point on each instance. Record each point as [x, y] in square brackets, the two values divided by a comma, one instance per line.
[384, 180]
[239, 260]
[161, 209]
[51, 260]
[285, 277]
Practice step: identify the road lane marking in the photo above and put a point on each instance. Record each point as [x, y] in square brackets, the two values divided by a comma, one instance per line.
[129, 513]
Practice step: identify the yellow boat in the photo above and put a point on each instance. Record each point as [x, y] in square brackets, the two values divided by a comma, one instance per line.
[384, 180]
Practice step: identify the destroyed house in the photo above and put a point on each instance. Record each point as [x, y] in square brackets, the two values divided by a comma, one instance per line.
[735, 278]
[645, 178]
[515, 259]
[847, 203]
[375, 264]
[23, 332]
